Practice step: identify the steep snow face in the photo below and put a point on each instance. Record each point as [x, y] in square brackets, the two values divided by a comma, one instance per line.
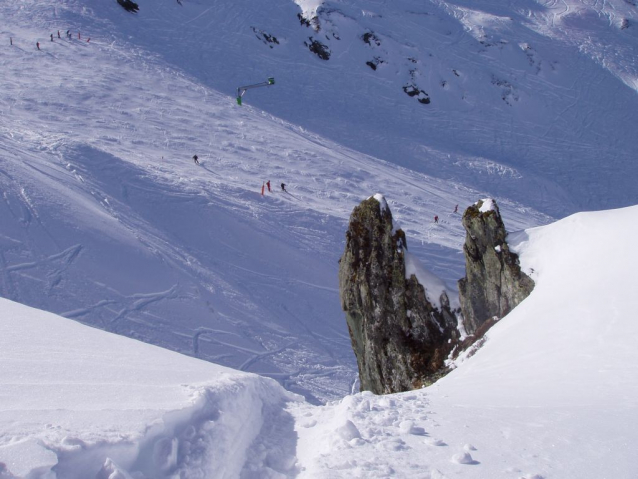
[522, 100]
[77, 402]
[553, 392]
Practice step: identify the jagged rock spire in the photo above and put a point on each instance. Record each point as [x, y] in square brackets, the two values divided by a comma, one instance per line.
[401, 340]
[494, 283]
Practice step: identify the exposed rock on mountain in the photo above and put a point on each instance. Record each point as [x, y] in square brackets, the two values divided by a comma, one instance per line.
[129, 5]
[400, 338]
[494, 283]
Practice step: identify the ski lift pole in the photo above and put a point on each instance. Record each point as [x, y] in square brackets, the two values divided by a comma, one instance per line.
[242, 89]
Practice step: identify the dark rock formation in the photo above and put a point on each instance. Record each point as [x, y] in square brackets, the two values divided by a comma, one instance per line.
[129, 5]
[318, 48]
[412, 90]
[494, 283]
[370, 38]
[266, 38]
[375, 62]
[400, 339]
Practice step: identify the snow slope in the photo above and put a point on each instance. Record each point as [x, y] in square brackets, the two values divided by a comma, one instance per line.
[81, 403]
[106, 219]
[527, 98]
[551, 394]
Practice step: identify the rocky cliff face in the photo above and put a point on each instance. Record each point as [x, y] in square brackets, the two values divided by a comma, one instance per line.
[401, 339]
[494, 283]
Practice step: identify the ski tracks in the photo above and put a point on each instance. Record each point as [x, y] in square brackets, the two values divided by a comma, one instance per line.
[58, 264]
[132, 304]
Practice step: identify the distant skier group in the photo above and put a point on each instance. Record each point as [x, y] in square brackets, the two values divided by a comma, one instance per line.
[266, 185]
[436, 217]
[68, 36]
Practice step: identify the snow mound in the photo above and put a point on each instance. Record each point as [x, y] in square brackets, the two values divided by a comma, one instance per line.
[463, 458]
[78, 402]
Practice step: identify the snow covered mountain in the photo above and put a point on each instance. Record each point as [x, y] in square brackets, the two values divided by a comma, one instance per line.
[106, 220]
[552, 393]
[525, 98]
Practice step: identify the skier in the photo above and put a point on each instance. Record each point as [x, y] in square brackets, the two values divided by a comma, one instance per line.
[59, 34]
[37, 44]
[283, 187]
[268, 185]
[436, 219]
[456, 209]
[262, 189]
[52, 37]
[68, 33]
[195, 159]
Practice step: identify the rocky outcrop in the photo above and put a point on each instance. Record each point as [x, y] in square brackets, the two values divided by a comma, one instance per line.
[401, 339]
[494, 283]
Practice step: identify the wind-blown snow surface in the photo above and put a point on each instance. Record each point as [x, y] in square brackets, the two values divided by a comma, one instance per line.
[553, 393]
[106, 219]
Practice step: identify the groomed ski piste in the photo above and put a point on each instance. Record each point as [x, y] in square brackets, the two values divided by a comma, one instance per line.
[551, 394]
[106, 220]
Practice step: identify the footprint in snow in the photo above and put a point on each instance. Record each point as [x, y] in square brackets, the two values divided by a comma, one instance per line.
[434, 442]
[463, 458]
[408, 427]
[308, 423]
[468, 448]
[348, 431]
[394, 444]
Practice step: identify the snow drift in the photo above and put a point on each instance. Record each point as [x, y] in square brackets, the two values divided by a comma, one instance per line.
[78, 402]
